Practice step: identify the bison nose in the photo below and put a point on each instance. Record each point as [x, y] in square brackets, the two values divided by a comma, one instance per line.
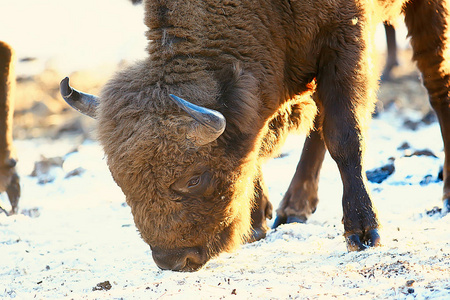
[185, 259]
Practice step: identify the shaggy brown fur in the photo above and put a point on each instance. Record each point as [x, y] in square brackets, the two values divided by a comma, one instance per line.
[9, 180]
[144, 134]
[430, 42]
[256, 62]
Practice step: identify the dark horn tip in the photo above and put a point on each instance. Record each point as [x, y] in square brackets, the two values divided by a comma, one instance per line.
[65, 88]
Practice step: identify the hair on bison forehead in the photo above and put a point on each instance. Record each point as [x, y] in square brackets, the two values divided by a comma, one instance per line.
[186, 193]
[185, 131]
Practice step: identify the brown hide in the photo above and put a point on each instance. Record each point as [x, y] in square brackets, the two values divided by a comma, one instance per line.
[257, 63]
[9, 181]
[429, 40]
[144, 134]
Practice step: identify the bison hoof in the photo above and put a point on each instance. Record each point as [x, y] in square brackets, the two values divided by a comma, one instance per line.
[356, 242]
[441, 212]
[446, 207]
[279, 220]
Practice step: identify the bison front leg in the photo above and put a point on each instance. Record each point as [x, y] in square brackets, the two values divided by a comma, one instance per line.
[262, 210]
[346, 92]
[9, 180]
[392, 60]
[10, 183]
[345, 144]
[430, 42]
[300, 200]
[13, 192]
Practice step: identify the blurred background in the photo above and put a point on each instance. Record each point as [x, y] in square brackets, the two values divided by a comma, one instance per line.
[90, 40]
[86, 40]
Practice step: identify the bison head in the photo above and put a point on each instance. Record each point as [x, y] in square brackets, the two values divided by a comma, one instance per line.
[187, 188]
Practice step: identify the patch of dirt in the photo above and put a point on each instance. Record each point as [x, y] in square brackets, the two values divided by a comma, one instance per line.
[102, 286]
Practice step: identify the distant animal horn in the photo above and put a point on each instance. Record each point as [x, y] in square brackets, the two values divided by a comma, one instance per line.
[212, 122]
[82, 102]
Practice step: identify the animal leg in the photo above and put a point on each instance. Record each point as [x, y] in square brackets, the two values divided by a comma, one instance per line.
[392, 60]
[13, 192]
[300, 200]
[262, 210]
[345, 144]
[344, 141]
[9, 180]
[430, 42]
[346, 92]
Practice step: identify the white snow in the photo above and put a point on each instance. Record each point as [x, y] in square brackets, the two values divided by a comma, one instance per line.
[77, 232]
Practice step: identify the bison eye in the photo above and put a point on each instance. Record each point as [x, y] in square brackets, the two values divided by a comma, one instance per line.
[194, 181]
[194, 185]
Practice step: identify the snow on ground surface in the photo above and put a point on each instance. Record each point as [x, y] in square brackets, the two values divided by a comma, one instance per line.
[77, 232]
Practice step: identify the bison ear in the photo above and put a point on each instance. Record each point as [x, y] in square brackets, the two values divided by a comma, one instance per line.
[209, 125]
[82, 102]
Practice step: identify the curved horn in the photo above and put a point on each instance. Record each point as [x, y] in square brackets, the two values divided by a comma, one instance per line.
[212, 122]
[82, 102]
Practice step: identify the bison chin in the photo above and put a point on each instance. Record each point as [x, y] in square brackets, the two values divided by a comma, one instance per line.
[185, 259]
[191, 259]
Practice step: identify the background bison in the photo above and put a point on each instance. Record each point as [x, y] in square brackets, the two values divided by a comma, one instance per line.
[188, 177]
[9, 180]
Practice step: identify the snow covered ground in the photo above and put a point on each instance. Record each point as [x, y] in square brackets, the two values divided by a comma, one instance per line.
[75, 237]
[77, 232]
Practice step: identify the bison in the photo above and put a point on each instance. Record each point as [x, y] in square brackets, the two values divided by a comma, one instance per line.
[9, 180]
[391, 60]
[185, 130]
